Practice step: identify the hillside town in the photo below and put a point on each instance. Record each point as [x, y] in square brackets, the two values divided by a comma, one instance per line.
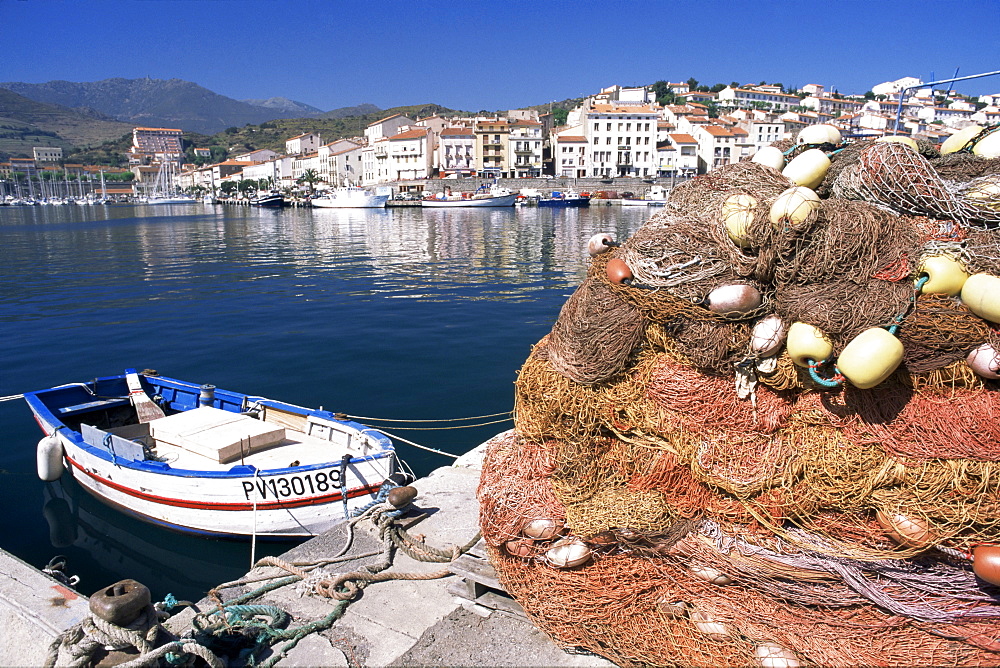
[618, 133]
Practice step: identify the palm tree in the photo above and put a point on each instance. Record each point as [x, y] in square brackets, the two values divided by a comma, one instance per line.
[311, 177]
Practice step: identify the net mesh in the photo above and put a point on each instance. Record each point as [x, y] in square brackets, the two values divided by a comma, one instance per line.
[716, 503]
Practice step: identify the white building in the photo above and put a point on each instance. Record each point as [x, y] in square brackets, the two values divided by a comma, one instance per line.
[260, 155]
[525, 148]
[621, 137]
[677, 155]
[569, 153]
[893, 88]
[47, 154]
[745, 98]
[950, 116]
[456, 152]
[308, 142]
[340, 162]
[277, 170]
[410, 154]
[831, 105]
[387, 127]
[761, 133]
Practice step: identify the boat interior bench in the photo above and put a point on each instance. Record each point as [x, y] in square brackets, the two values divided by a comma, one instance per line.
[217, 434]
[110, 402]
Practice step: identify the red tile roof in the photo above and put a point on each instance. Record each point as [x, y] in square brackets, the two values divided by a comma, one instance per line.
[409, 134]
[683, 139]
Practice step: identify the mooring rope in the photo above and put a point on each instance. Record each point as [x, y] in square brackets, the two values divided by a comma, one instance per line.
[462, 419]
[417, 445]
[12, 397]
[460, 426]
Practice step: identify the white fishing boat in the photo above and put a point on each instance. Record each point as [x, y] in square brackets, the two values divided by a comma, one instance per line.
[494, 196]
[207, 461]
[350, 197]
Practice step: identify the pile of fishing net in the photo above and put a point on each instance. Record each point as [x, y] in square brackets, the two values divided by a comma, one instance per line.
[765, 430]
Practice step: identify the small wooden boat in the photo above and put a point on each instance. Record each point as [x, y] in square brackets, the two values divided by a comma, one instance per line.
[207, 461]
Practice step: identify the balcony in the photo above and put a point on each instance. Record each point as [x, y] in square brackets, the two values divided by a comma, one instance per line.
[523, 151]
[625, 147]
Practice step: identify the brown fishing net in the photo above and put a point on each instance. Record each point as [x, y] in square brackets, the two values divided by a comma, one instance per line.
[711, 502]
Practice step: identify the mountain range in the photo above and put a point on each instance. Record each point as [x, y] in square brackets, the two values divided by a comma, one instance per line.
[165, 103]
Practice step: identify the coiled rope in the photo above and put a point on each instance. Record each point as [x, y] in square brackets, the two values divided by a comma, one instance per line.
[341, 588]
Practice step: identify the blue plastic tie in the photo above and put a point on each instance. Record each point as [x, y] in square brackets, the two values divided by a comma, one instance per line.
[836, 381]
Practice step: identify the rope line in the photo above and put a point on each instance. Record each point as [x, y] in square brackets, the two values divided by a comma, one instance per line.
[12, 397]
[461, 426]
[421, 447]
[462, 419]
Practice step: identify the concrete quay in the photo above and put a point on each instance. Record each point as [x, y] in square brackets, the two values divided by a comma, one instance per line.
[34, 609]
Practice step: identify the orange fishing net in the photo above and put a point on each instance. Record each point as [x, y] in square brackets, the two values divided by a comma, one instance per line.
[706, 499]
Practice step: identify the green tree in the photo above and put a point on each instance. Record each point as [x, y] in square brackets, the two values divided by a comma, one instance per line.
[310, 177]
[869, 95]
[692, 83]
[247, 187]
[559, 116]
[228, 187]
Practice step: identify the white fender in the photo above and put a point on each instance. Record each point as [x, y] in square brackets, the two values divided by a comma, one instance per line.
[49, 458]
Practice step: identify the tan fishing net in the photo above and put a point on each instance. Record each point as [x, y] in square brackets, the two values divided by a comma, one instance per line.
[707, 501]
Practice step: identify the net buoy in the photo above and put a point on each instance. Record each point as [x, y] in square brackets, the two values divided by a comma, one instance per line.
[808, 168]
[600, 243]
[737, 216]
[985, 361]
[897, 139]
[769, 156]
[49, 458]
[772, 655]
[945, 276]
[807, 343]
[734, 300]
[767, 336]
[986, 563]
[821, 133]
[957, 141]
[907, 531]
[618, 272]
[568, 553]
[708, 625]
[542, 529]
[988, 146]
[870, 358]
[794, 208]
[981, 293]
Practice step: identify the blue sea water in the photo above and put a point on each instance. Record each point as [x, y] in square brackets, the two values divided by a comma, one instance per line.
[402, 314]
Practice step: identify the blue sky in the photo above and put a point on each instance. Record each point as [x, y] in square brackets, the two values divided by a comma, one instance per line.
[495, 55]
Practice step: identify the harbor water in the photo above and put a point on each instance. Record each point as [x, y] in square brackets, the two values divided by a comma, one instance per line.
[396, 314]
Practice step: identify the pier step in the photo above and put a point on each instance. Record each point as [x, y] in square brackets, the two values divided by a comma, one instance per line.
[479, 582]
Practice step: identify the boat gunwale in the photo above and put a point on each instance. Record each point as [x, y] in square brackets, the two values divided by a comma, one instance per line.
[50, 423]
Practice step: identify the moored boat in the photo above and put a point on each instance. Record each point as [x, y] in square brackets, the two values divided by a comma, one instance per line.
[568, 198]
[495, 196]
[207, 461]
[271, 199]
[350, 197]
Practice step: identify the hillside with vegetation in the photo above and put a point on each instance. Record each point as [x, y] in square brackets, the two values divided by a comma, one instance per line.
[272, 134]
[26, 123]
[165, 103]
